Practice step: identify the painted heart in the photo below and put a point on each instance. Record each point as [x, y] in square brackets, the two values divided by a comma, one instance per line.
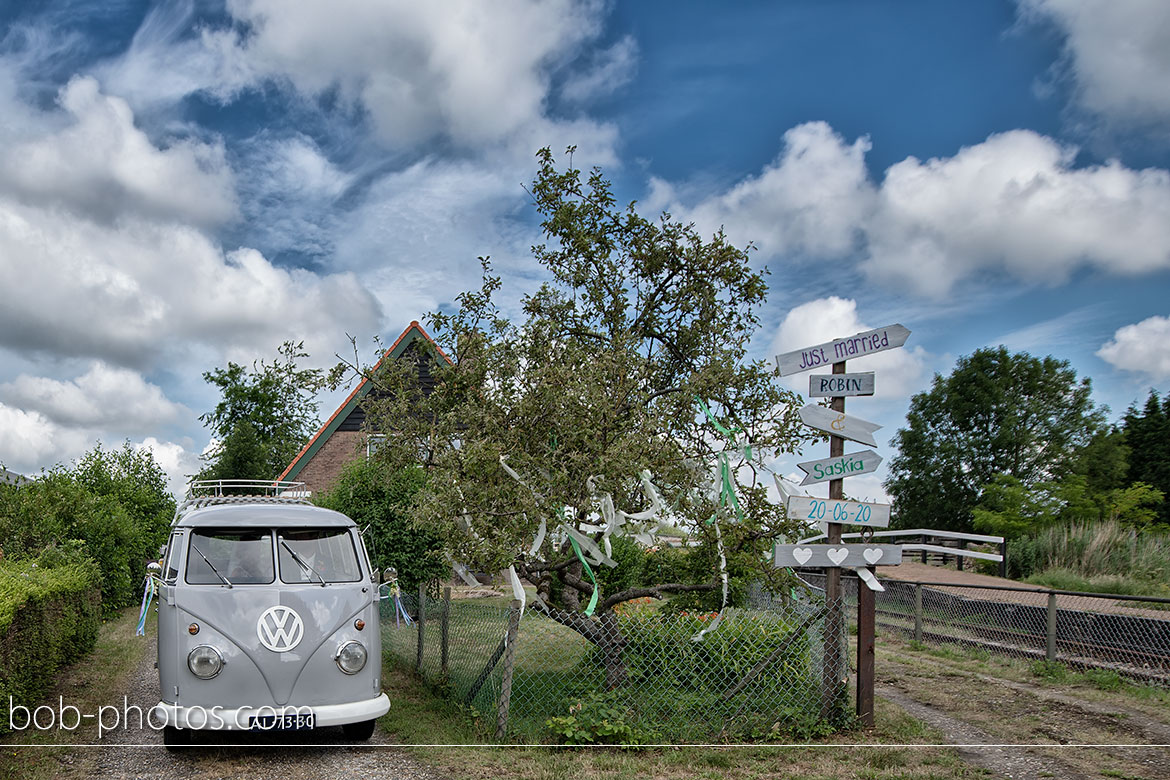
[802, 554]
[837, 554]
[872, 554]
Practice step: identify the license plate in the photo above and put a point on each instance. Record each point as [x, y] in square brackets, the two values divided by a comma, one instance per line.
[291, 722]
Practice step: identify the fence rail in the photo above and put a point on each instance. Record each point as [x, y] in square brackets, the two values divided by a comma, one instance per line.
[1128, 635]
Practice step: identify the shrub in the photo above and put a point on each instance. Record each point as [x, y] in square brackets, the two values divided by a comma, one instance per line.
[112, 503]
[379, 497]
[48, 617]
[597, 719]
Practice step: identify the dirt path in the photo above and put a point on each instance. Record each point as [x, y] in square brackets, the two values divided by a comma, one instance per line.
[1053, 732]
[139, 753]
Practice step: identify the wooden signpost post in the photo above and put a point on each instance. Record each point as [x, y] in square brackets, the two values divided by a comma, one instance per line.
[836, 510]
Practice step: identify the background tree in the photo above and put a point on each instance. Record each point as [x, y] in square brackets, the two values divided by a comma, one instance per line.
[1147, 435]
[378, 498]
[264, 416]
[111, 508]
[599, 382]
[997, 413]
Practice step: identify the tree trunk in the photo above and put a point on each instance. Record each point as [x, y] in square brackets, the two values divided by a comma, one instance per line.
[612, 645]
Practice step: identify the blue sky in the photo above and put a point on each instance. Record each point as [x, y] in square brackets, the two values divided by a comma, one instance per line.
[187, 183]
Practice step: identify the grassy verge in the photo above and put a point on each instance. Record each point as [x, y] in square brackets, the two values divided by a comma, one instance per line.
[97, 679]
[422, 721]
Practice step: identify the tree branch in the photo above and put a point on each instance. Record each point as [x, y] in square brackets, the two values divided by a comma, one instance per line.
[656, 591]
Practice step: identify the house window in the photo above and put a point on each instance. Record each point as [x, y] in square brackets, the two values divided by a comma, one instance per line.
[373, 443]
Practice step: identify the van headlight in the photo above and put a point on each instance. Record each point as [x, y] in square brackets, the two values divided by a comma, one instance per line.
[351, 657]
[204, 662]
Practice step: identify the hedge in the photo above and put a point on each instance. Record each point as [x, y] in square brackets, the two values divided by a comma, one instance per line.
[49, 616]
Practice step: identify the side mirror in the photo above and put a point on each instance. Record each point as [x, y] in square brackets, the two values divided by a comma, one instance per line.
[389, 574]
[153, 568]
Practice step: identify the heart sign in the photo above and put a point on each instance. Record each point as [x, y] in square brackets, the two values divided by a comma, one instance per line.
[837, 554]
[802, 554]
[872, 555]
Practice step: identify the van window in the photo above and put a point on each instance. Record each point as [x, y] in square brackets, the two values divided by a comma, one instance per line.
[171, 569]
[317, 554]
[243, 557]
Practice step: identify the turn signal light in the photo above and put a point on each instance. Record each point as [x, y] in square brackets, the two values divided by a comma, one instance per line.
[193, 629]
[359, 624]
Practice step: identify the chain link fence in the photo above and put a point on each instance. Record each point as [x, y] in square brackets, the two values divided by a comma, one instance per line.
[642, 675]
[1128, 635]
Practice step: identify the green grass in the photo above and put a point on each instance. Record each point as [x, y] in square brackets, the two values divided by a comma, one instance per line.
[674, 688]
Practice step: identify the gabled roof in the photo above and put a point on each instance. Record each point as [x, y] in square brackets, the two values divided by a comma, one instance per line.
[413, 333]
[12, 478]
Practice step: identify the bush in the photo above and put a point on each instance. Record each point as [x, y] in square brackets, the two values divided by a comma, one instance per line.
[659, 647]
[597, 719]
[113, 504]
[48, 617]
[376, 496]
[1105, 555]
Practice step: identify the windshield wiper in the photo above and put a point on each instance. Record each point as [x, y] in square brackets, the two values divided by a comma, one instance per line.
[301, 561]
[226, 581]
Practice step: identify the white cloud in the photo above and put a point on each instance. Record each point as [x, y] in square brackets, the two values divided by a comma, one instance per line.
[29, 440]
[813, 198]
[610, 68]
[899, 371]
[103, 396]
[131, 292]
[1142, 348]
[1015, 203]
[469, 71]
[1118, 53]
[176, 460]
[98, 164]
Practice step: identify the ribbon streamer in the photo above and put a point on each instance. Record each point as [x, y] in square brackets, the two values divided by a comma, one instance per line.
[148, 588]
[592, 599]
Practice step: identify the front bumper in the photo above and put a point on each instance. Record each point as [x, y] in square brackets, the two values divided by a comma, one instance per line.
[213, 718]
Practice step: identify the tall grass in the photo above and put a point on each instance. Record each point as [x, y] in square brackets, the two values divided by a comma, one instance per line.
[1106, 554]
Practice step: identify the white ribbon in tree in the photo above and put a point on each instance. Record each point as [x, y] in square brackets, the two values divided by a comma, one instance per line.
[723, 576]
[588, 546]
[517, 589]
[462, 571]
[867, 577]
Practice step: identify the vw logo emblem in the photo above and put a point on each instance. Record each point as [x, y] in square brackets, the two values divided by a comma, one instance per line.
[280, 629]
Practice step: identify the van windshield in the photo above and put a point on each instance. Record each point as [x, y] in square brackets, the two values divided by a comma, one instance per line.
[243, 557]
[321, 554]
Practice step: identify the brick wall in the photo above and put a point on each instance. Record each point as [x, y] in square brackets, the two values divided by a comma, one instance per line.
[324, 469]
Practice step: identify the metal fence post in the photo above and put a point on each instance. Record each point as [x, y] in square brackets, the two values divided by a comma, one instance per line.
[918, 612]
[1003, 558]
[444, 628]
[509, 661]
[959, 556]
[1051, 649]
[421, 623]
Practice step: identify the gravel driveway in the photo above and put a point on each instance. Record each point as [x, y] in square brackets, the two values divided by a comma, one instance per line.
[139, 753]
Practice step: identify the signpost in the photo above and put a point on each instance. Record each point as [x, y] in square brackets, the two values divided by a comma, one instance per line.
[836, 511]
[832, 385]
[839, 350]
[848, 556]
[839, 424]
[852, 465]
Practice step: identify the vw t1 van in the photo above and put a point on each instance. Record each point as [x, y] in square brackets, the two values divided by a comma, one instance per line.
[267, 616]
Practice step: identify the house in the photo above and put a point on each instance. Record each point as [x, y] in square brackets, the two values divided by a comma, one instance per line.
[344, 437]
[12, 478]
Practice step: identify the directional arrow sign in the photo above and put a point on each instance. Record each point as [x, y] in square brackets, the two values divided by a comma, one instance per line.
[867, 343]
[839, 424]
[851, 465]
[838, 385]
[827, 510]
[823, 556]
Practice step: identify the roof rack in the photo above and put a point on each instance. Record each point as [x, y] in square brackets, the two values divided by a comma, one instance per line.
[214, 492]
